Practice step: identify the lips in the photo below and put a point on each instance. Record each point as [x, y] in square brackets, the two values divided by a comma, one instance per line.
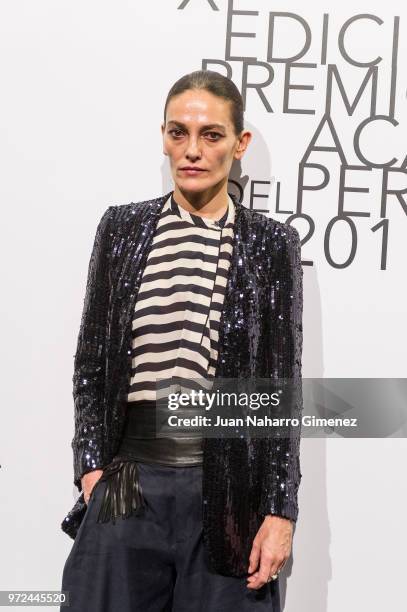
[191, 168]
[192, 171]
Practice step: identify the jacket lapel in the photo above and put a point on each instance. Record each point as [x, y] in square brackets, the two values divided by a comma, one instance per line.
[138, 231]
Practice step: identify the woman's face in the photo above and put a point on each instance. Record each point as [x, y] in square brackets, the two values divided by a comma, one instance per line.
[198, 133]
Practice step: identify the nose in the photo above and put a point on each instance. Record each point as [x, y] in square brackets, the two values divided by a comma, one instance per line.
[193, 151]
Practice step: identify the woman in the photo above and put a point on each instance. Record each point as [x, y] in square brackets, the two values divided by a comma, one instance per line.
[190, 285]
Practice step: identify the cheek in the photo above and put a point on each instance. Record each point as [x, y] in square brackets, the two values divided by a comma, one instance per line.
[220, 158]
[172, 151]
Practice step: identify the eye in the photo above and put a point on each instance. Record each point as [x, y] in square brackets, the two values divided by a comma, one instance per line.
[176, 133]
[214, 135]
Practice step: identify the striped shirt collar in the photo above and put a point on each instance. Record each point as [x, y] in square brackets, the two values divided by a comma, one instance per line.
[200, 221]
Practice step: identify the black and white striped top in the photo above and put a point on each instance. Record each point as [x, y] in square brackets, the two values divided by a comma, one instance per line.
[176, 318]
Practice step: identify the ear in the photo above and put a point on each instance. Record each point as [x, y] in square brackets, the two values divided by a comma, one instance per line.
[244, 140]
[162, 134]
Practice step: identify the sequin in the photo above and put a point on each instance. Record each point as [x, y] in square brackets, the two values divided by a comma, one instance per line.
[260, 335]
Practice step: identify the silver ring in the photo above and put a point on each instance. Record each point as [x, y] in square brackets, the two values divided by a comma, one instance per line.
[273, 577]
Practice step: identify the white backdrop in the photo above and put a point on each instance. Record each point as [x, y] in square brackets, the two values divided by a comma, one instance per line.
[83, 89]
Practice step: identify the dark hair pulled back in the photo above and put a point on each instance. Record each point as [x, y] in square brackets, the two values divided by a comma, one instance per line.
[215, 83]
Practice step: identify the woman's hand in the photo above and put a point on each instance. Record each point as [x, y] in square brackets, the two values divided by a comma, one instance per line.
[88, 481]
[271, 549]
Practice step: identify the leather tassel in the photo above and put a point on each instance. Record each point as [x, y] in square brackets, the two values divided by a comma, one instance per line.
[123, 495]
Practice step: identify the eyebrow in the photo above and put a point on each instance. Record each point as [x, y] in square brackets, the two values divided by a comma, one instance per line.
[204, 127]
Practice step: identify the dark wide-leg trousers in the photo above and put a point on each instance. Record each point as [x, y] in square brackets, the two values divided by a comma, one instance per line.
[155, 562]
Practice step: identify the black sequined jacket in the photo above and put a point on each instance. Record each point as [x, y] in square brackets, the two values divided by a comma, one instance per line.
[260, 335]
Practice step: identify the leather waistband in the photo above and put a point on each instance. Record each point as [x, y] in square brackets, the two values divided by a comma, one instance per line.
[141, 442]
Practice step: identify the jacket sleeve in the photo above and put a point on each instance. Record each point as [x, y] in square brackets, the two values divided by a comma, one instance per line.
[282, 473]
[89, 360]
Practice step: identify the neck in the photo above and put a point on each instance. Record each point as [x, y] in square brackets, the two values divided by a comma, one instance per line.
[210, 203]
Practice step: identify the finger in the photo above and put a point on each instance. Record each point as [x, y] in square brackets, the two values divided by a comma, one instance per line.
[254, 557]
[275, 567]
[266, 563]
[270, 568]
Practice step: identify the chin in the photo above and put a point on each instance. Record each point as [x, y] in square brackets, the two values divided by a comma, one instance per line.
[193, 184]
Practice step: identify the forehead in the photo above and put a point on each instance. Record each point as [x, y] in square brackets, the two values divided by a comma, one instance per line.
[199, 106]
